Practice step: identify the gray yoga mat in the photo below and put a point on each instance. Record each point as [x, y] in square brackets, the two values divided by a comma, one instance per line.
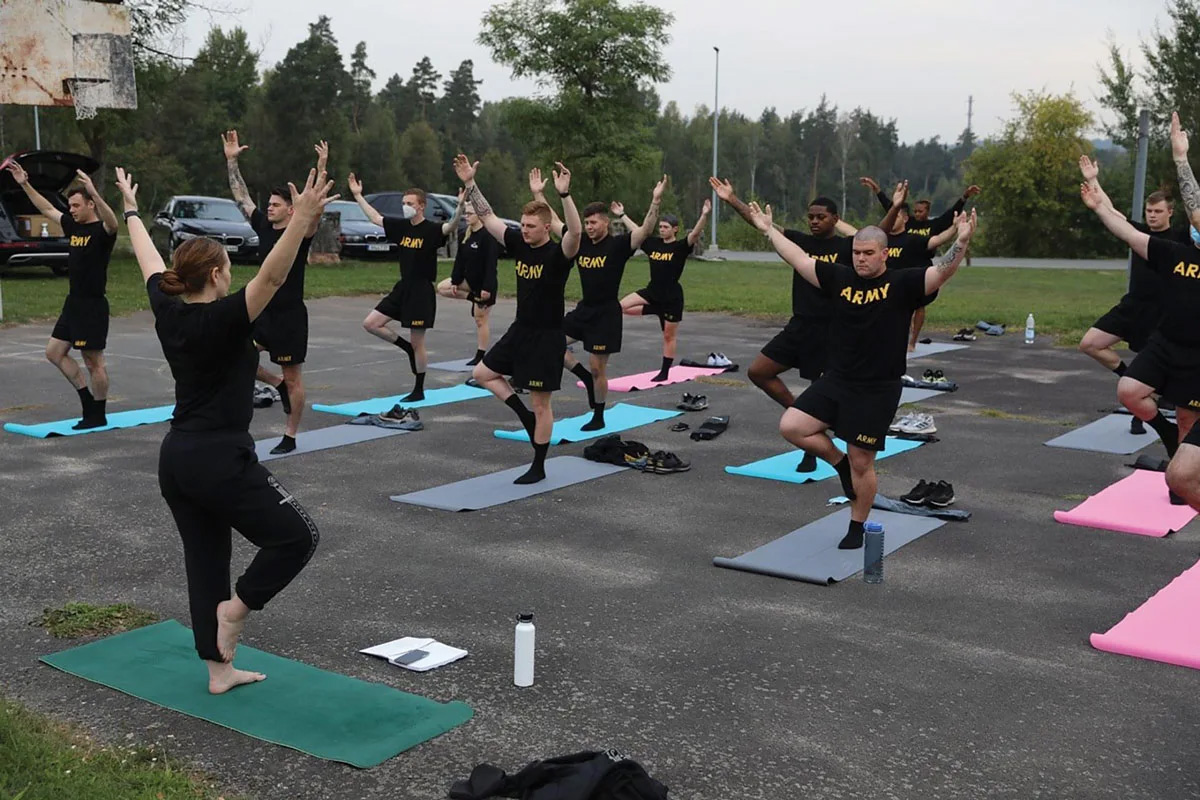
[453, 366]
[810, 553]
[911, 395]
[498, 488]
[324, 439]
[1106, 435]
[934, 348]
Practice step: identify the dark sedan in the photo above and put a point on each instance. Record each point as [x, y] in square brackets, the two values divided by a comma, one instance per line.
[360, 238]
[188, 216]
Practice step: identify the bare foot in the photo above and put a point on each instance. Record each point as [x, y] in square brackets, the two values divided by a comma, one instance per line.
[230, 621]
[222, 677]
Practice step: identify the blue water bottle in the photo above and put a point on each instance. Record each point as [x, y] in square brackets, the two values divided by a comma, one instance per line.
[873, 553]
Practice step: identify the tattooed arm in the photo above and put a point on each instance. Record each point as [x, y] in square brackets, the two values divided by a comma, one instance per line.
[237, 185]
[483, 209]
[943, 268]
[1188, 187]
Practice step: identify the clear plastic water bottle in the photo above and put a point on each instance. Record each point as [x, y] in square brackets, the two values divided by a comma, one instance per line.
[523, 651]
[45, 230]
[873, 553]
[1029, 332]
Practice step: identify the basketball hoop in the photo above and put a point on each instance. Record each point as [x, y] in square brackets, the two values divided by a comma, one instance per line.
[88, 94]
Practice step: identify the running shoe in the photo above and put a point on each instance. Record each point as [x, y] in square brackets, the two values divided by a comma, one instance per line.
[399, 413]
[686, 402]
[940, 495]
[907, 419]
[927, 376]
[964, 335]
[664, 463]
[922, 423]
[722, 360]
[712, 360]
[908, 380]
[699, 402]
[939, 377]
[917, 496]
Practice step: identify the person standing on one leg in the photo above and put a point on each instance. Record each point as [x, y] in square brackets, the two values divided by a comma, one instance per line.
[803, 344]
[920, 223]
[1137, 314]
[413, 300]
[859, 393]
[531, 350]
[474, 277]
[663, 297]
[91, 230]
[282, 328]
[207, 471]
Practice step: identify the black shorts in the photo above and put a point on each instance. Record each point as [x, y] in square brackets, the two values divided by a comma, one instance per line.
[803, 344]
[83, 322]
[1131, 319]
[473, 296]
[668, 300]
[598, 327]
[532, 357]
[1172, 369]
[412, 304]
[859, 412]
[283, 333]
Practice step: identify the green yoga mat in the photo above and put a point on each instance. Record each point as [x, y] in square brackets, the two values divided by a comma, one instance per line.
[321, 713]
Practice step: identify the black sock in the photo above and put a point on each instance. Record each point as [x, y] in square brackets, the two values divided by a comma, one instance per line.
[807, 464]
[418, 392]
[284, 400]
[843, 471]
[854, 537]
[665, 371]
[403, 344]
[528, 420]
[100, 408]
[1167, 431]
[1119, 369]
[585, 375]
[478, 357]
[85, 398]
[286, 445]
[537, 470]
[597, 421]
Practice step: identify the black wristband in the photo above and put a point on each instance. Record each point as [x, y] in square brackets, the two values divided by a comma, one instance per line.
[564, 194]
[129, 214]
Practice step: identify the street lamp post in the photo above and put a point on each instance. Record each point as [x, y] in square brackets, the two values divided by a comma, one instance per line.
[716, 207]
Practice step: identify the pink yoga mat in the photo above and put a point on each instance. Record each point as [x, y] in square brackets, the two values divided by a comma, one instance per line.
[1136, 504]
[633, 383]
[1163, 628]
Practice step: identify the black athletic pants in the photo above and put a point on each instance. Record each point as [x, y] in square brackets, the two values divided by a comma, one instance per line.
[213, 482]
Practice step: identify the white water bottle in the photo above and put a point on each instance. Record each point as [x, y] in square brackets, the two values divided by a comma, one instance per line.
[523, 651]
[45, 231]
[1029, 334]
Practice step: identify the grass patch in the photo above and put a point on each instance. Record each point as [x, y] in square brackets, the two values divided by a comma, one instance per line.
[1064, 302]
[1075, 497]
[43, 760]
[84, 619]
[719, 381]
[995, 413]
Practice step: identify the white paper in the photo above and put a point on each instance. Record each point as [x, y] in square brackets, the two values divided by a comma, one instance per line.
[439, 654]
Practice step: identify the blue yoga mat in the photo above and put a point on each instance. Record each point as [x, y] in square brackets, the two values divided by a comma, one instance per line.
[620, 417]
[783, 467]
[119, 419]
[378, 405]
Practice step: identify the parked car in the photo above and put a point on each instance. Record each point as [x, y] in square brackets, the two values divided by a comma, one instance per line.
[360, 238]
[188, 216]
[438, 207]
[27, 238]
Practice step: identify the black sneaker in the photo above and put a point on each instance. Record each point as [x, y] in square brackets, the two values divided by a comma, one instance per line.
[1137, 427]
[399, 413]
[918, 494]
[927, 376]
[665, 463]
[940, 495]
[686, 402]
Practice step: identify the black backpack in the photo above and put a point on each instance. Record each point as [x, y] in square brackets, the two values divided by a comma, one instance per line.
[582, 776]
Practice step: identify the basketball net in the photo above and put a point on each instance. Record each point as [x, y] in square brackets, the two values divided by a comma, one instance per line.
[85, 92]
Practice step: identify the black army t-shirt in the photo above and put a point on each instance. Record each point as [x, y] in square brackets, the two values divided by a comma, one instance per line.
[475, 262]
[89, 247]
[541, 278]
[601, 266]
[868, 334]
[211, 356]
[667, 260]
[1179, 267]
[908, 250]
[808, 300]
[417, 246]
[1145, 284]
[292, 292]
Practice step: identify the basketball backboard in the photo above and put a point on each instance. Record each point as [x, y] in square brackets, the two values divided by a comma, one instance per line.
[66, 53]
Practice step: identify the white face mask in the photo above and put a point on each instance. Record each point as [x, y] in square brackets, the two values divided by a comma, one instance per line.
[409, 212]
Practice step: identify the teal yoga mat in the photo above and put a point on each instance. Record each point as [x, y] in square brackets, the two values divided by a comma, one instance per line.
[117, 419]
[783, 467]
[321, 713]
[378, 405]
[620, 417]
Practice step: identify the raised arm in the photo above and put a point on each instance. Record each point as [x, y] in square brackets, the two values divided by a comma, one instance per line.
[898, 197]
[148, 258]
[40, 203]
[1119, 226]
[873, 186]
[639, 235]
[945, 266]
[103, 210]
[368, 209]
[944, 220]
[450, 226]
[724, 190]
[574, 230]
[788, 250]
[936, 242]
[465, 169]
[237, 184]
[617, 208]
[697, 229]
[1188, 188]
[537, 187]
[307, 205]
[1090, 170]
[843, 228]
[322, 148]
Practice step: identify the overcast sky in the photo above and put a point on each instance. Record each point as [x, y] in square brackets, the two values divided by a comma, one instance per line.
[915, 61]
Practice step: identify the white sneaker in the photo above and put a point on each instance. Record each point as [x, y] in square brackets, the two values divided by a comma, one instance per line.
[712, 360]
[723, 361]
[907, 419]
[921, 423]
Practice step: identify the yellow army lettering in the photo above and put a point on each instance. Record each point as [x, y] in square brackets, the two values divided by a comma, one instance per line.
[592, 262]
[1187, 270]
[599, 348]
[657, 256]
[412, 243]
[1193, 403]
[417, 323]
[864, 439]
[529, 270]
[80, 343]
[283, 359]
[862, 298]
[895, 252]
[536, 384]
[80, 241]
[829, 258]
[919, 231]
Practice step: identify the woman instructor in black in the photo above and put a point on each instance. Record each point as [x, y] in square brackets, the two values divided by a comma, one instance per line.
[207, 470]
